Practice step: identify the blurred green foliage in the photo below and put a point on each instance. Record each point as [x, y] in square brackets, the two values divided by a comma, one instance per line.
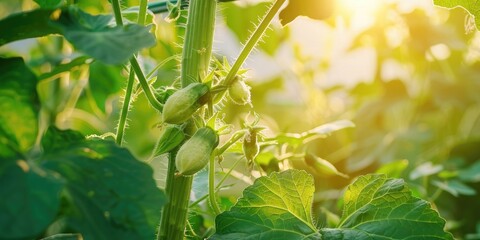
[417, 114]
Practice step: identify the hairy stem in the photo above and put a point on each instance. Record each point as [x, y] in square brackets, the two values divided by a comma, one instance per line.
[131, 77]
[252, 41]
[133, 61]
[198, 41]
[125, 107]
[195, 62]
[145, 86]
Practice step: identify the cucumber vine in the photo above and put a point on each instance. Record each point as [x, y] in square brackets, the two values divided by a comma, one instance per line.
[278, 205]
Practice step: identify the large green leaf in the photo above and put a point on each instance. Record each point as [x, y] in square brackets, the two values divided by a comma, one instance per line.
[90, 34]
[29, 200]
[111, 195]
[472, 6]
[19, 107]
[274, 207]
[27, 25]
[94, 36]
[56, 139]
[377, 207]
[29, 197]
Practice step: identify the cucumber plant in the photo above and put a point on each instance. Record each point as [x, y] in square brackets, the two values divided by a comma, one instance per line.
[60, 183]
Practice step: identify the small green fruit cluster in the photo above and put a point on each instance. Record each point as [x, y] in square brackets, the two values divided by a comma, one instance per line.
[195, 153]
[181, 105]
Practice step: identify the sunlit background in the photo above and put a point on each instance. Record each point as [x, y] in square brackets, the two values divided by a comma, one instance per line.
[405, 72]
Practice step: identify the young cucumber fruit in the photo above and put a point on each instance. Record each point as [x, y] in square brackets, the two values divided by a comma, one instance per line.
[239, 92]
[195, 153]
[184, 103]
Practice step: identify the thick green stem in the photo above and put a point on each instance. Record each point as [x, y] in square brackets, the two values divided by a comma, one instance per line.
[195, 62]
[198, 41]
[172, 226]
[252, 41]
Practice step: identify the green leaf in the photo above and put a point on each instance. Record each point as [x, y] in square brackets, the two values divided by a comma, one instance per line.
[104, 81]
[9, 149]
[328, 128]
[274, 207]
[315, 9]
[322, 167]
[471, 174]
[424, 170]
[93, 35]
[90, 34]
[27, 25]
[393, 169]
[472, 6]
[29, 200]
[56, 139]
[321, 131]
[19, 107]
[376, 207]
[65, 236]
[455, 188]
[111, 194]
[29, 196]
[49, 3]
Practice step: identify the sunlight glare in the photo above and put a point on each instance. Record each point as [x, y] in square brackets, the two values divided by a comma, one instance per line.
[368, 6]
[361, 12]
